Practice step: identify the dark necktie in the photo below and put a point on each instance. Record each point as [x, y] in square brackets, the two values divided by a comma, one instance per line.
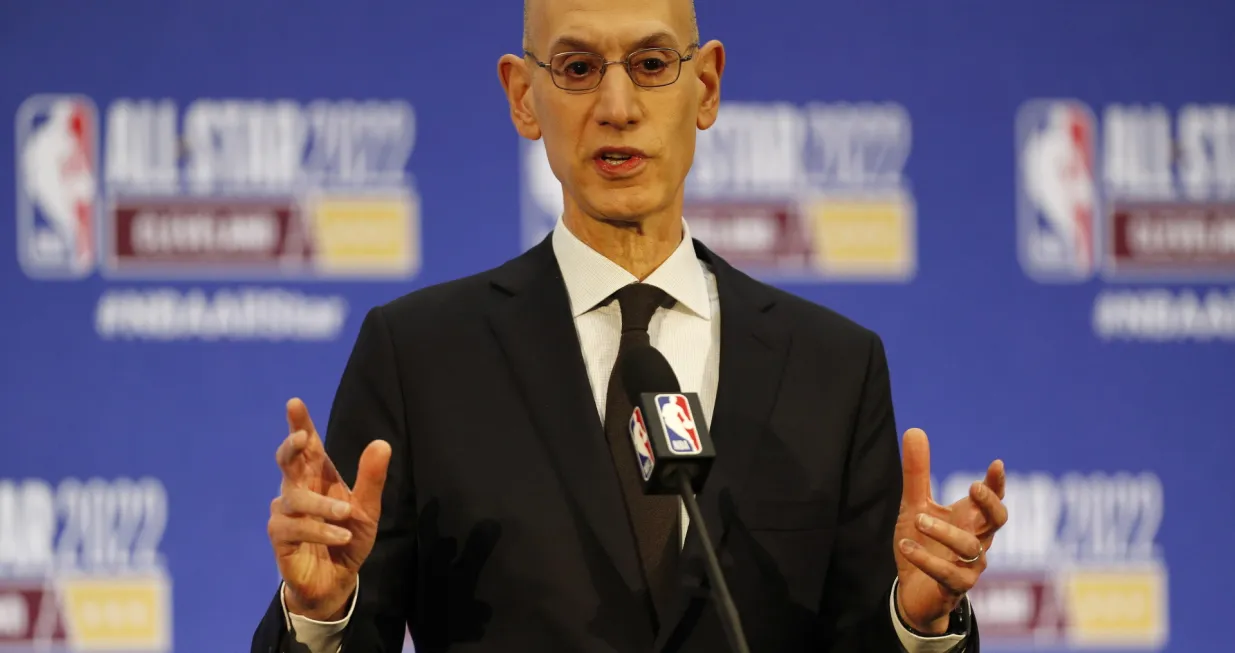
[654, 518]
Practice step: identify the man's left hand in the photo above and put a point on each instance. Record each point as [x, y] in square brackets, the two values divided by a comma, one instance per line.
[933, 542]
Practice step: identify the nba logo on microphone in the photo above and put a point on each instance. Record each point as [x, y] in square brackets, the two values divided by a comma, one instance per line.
[57, 185]
[1057, 191]
[679, 423]
[643, 447]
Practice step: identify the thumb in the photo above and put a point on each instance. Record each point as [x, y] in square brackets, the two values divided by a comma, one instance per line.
[916, 467]
[371, 477]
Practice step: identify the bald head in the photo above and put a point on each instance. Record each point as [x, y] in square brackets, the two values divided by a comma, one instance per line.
[585, 118]
[535, 5]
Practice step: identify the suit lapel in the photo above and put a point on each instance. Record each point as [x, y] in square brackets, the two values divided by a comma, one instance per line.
[535, 330]
[753, 347]
[533, 325]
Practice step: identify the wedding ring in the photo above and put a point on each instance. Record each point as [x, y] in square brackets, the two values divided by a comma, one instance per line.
[974, 559]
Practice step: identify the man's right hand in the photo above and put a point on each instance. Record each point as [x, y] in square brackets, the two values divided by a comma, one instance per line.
[321, 530]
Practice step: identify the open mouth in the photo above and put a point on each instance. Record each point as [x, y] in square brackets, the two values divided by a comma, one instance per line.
[616, 162]
[615, 157]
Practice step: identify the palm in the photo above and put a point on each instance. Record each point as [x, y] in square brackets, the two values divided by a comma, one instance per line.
[315, 571]
[923, 599]
[318, 569]
[923, 596]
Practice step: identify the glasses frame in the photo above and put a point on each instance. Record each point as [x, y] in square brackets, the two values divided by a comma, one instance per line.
[605, 63]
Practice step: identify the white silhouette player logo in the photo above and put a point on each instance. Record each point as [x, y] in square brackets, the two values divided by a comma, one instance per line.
[1058, 179]
[58, 181]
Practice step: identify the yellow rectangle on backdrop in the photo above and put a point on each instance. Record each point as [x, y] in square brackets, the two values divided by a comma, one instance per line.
[361, 235]
[117, 613]
[1117, 607]
[864, 238]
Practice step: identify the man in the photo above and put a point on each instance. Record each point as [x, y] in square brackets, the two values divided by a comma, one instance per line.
[476, 486]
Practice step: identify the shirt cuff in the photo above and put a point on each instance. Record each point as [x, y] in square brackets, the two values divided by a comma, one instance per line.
[317, 636]
[916, 643]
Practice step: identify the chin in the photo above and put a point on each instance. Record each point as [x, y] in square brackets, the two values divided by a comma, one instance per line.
[631, 204]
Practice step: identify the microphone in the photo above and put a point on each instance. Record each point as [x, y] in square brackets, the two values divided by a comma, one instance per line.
[666, 427]
[674, 453]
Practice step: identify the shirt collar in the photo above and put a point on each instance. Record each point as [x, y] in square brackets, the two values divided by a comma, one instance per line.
[590, 277]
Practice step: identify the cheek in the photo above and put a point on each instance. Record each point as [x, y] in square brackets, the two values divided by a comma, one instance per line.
[681, 151]
[682, 132]
[561, 117]
[561, 141]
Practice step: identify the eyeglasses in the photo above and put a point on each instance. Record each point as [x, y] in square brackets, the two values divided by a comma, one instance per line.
[583, 71]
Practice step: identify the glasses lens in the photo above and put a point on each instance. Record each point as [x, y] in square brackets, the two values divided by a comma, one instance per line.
[576, 71]
[655, 67]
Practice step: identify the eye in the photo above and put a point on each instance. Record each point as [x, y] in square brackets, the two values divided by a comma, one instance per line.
[576, 66]
[653, 64]
[654, 67]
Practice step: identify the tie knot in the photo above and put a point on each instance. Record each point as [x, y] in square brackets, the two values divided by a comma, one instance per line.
[638, 302]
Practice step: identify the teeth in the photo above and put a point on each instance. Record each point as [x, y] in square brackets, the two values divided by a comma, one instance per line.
[616, 157]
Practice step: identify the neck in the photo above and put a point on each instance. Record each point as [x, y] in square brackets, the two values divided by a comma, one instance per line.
[639, 246]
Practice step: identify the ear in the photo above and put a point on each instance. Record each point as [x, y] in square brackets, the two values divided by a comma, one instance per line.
[516, 82]
[709, 68]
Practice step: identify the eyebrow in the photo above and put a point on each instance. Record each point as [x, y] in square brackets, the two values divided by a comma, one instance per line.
[576, 44]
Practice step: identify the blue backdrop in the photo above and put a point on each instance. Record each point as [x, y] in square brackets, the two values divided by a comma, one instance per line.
[1033, 203]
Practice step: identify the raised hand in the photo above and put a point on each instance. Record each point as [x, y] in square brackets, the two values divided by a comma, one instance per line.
[320, 529]
[941, 550]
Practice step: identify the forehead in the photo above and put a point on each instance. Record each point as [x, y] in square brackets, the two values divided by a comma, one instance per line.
[605, 24]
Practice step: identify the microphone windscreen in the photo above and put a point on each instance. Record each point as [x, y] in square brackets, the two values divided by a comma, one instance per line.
[644, 369]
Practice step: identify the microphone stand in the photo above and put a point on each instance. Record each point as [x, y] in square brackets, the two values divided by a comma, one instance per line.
[720, 591]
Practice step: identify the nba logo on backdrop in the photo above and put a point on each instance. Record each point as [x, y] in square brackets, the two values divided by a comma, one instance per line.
[1160, 207]
[57, 185]
[1057, 190]
[679, 424]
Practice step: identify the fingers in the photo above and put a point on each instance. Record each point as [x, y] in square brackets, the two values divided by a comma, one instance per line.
[963, 543]
[371, 477]
[298, 417]
[994, 512]
[954, 577]
[301, 502]
[302, 437]
[996, 478]
[288, 452]
[286, 529]
[296, 518]
[916, 467]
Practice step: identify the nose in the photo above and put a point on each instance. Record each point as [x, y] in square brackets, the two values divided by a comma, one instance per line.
[617, 103]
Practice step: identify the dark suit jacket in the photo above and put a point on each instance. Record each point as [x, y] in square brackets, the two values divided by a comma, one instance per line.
[503, 526]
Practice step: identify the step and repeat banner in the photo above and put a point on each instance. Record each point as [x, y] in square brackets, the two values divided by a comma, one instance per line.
[1033, 203]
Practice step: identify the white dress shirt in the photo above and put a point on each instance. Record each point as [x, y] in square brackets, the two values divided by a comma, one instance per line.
[687, 333]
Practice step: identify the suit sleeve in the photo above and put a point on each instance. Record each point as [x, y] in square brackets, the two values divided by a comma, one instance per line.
[854, 607]
[854, 613]
[369, 405]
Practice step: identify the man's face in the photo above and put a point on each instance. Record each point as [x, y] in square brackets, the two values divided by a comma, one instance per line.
[621, 151]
